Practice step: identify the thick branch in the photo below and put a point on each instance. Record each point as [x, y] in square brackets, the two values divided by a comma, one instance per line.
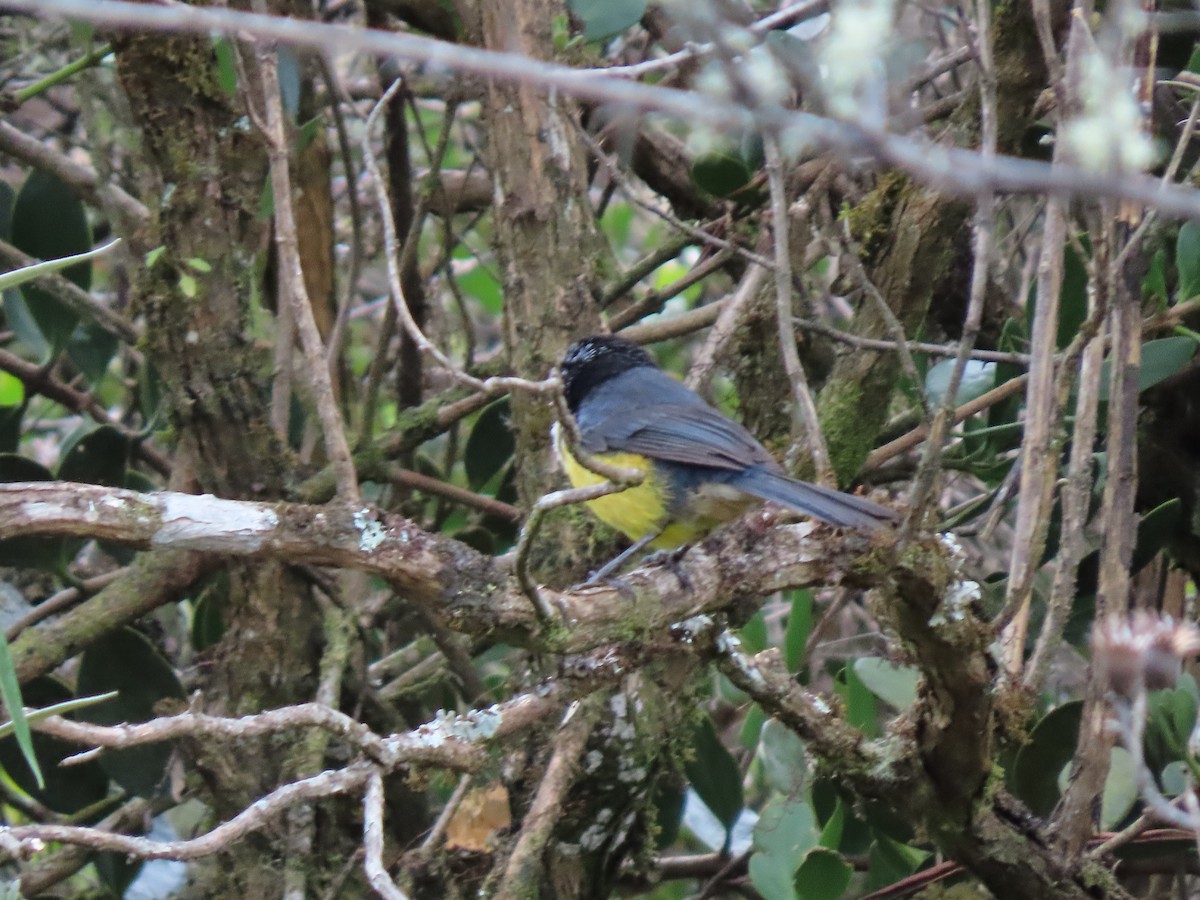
[472, 592]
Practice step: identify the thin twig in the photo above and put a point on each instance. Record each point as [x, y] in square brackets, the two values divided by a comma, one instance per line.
[292, 278]
[947, 168]
[438, 831]
[72, 295]
[653, 301]
[922, 494]
[376, 872]
[786, 17]
[914, 438]
[350, 277]
[731, 314]
[64, 599]
[439, 488]
[393, 256]
[522, 873]
[813, 438]
[22, 840]
[947, 350]
[83, 179]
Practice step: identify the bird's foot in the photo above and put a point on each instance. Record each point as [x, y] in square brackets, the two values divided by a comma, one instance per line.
[601, 578]
[672, 559]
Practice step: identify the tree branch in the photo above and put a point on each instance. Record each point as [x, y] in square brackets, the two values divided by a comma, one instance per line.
[944, 168]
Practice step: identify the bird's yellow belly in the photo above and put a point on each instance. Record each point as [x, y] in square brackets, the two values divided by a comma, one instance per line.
[646, 508]
[636, 511]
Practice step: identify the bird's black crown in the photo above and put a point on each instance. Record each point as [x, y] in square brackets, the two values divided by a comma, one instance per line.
[593, 360]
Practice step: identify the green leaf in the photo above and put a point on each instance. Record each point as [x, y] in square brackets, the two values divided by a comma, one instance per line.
[226, 67]
[977, 379]
[1154, 284]
[57, 709]
[894, 684]
[831, 833]
[187, 285]
[782, 755]
[125, 662]
[1187, 259]
[1183, 710]
[721, 172]
[799, 627]
[18, 277]
[1072, 301]
[785, 833]
[1193, 63]
[714, 775]
[1120, 789]
[200, 265]
[889, 861]
[861, 709]
[479, 283]
[604, 18]
[823, 875]
[1176, 778]
[151, 396]
[24, 326]
[490, 445]
[754, 634]
[92, 348]
[751, 731]
[208, 617]
[1154, 531]
[50, 223]
[68, 789]
[1050, 747]
[6, 209]
[10, 692]
[770, 876]
[99, 457]
[12, 390]
[1160, 360]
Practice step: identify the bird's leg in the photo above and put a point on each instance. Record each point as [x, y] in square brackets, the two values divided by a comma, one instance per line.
[671, 559]
[614, 564]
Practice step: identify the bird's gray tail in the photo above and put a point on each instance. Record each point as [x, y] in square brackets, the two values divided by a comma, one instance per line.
[835, 507]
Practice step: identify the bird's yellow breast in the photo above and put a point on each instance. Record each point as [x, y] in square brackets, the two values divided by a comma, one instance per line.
[636, 511]
[646, 508]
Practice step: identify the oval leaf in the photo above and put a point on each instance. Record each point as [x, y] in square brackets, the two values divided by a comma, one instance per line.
[99, 457]
[823, 875]
[1120, 789]
[1187, 259]
[1050, 747]
[127, 663]
[490, 445]
[714, 774]
[49, 223]
[721, 172]
[978, 378]
[1160, 360]
[604, 18]
[12, 390]
[894, 684]
[66, 790]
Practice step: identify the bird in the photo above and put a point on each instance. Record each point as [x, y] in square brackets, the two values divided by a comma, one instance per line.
[700, 468]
